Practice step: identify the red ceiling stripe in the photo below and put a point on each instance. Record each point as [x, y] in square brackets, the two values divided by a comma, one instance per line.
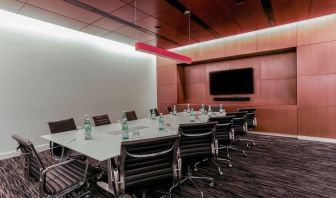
[143, 47]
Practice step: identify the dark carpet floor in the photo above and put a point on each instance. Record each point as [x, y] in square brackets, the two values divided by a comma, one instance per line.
[275, 167]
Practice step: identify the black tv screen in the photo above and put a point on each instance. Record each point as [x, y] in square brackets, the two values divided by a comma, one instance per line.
[237, 81]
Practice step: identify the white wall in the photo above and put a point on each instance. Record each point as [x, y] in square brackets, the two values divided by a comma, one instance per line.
[49, 73]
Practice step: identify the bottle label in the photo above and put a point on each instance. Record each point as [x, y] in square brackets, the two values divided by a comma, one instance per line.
[161, 126]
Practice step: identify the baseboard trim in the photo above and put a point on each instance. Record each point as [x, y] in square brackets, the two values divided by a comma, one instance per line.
[318, 139]
[273, 134]
[300, 137]
[11, 154]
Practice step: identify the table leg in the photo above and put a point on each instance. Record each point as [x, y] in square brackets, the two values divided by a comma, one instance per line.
[110, 175]
[110, 178]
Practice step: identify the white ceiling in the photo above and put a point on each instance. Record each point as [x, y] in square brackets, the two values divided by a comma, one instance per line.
[64, 14]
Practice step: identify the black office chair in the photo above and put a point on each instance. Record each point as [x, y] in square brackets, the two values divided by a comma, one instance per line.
[239, 128]
[250, 110]
[169, 109]
[215, 108]
[226, 120]
[57, 180]
[221, 119]
[146, 163]
[101, 120]
[251, 121]
[131, 115]
[155, 111]
[58, 152]
[197, 146]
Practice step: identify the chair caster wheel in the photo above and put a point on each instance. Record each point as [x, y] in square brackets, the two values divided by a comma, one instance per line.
[220, 173]
[211, 184]
[195, 169]
[230, 165]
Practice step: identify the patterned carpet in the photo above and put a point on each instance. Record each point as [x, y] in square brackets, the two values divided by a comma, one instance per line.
[276, 167]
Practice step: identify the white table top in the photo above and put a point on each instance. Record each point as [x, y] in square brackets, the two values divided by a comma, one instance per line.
[106, 140]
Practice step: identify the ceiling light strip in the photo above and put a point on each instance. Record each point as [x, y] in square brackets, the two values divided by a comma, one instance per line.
[143, 47]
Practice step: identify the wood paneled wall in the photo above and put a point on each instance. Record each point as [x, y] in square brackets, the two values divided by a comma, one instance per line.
[306, 105]
[274, 79]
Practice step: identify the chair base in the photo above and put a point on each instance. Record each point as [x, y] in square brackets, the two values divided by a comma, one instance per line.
[246, 141]
[227, 148]
[191, 179]
[213, 161]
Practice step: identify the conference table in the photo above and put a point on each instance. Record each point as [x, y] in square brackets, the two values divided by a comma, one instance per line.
[106, 140]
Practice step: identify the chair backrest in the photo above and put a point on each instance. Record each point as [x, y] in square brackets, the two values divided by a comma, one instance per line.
[237, 114]
[239, 125]
[250, 110]
[62, 125]
[101, 120]
[58, 127]
[131, 115]
[196, 140]
[33, 164]
[206, 107]
[221, 119]
[169, 109]
[215, 108]
[155, 111]
[223, 133]
[145, 163]
[250, 120]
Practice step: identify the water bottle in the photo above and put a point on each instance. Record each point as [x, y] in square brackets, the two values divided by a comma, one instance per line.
[124, 126]
[174, 110]
[161, 122]
[153, 116]
[188, 108]
[221, 109]
[192, 115]
[202, 109]
[87, 128]
[209, 111]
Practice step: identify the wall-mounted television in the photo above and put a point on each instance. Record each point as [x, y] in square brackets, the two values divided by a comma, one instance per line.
[228, 82]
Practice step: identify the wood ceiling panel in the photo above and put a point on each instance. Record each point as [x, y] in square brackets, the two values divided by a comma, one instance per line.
[151, 6]
[108, 24]
[215, 14]
[220, 16]
[177, 20]
[156, 26]
[249, 16]
[50, 17]
[162, 43]
[288, 11]
[320, 8]
[66, 9]
[133, 33]
[202, 35]
[128, 13]
[105, 5]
